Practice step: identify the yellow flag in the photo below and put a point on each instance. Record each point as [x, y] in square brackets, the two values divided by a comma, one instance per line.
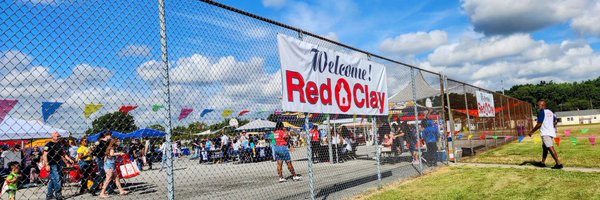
[470, 136]
[91, 109]
[227, 112]
[537, 140]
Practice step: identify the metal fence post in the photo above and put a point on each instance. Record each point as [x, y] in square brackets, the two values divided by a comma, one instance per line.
[414, 90]
[378, 152]
[311, 178]
[468, 119]
[450, 118]
[329, 139]
[165, 60]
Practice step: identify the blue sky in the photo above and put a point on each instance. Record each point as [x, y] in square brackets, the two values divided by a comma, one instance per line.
[81, 52]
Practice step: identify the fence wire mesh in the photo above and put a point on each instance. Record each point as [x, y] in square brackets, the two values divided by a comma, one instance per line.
[181, 99]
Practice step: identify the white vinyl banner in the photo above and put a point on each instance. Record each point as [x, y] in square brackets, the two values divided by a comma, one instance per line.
[485, 104]
[320, 80]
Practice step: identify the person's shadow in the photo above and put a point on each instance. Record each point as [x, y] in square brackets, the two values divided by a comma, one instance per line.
[534, 163]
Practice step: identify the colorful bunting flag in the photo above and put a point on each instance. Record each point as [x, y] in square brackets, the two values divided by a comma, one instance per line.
[127, 108]
[585, 130]
[495, 137]
[557, 140]
[521, 138]
[592, 140]
[157, 107]
[568, 133]
[206, 111]
[243, 113]
[278, 112]
[508, 138]
[460, 136]
[537, 140]
[482, 137]
[6, 105]
[185, 112]
[574, 140]
[470, 136]
[227, 112]
[48, 108]
[91, 109]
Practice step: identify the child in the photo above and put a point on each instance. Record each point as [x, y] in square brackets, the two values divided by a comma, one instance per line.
[12, 180]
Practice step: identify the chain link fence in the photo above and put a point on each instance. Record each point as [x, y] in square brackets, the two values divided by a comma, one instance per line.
[182, 100]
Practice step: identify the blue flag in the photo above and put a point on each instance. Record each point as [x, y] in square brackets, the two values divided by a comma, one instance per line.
[48, 108]
[206, 111]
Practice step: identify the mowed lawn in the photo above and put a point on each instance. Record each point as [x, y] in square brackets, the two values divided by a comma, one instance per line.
[493, 183]
[583, 154]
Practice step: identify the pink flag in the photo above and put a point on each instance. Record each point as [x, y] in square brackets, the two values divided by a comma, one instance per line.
[126, 108]
[243, 112]
[568, 133]
[507, 138]
[6, 105]
[185, 112]
[592, 140]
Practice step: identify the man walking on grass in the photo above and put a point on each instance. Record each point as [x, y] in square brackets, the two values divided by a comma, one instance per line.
[546, 123]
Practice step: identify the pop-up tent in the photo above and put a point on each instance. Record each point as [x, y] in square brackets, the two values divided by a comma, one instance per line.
[95, 137]
[145, 132]
[424, 90]
[257, 126]
[12, 129]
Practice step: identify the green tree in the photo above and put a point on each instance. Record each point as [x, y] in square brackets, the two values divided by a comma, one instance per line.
[116, 121]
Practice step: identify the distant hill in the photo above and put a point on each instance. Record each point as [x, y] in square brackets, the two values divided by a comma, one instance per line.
[560, 96]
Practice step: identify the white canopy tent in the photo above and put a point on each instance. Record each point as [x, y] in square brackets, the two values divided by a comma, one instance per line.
[257, 125]
[15, 129]
[424, 90]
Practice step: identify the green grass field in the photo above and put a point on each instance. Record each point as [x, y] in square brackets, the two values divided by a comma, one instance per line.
[581, 155]
[494, 183]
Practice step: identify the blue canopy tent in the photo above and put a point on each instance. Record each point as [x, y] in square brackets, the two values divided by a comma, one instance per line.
[95, 137]
[146, 132]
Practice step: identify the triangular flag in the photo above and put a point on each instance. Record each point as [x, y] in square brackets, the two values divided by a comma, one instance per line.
[557, 140]
[592, 140]
[91, 109]
[126, 108]
[482, 137]
[585, 130]
[261, 112]
[521, 139]
[568, 133]
[470, 136]
[465, 129]
[6, 105]
[48, 108]
[460, 136]
[508, 138]
[227, 112]
[537, 140]
[206, 111]
[278, 112]
[157, 107]
[574, 140]
[495, 137]
[185, 112]
[243, 113]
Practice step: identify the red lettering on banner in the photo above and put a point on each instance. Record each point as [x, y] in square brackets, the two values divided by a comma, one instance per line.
[312, 92]
[367, 95]
[291, 75]
[359, 103]
[374, 101]
[326, 87]
[343, 96]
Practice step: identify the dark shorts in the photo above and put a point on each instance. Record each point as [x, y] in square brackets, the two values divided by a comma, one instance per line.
[282, 153]
[412, 146]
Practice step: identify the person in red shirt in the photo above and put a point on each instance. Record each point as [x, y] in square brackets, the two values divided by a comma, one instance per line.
[282, 152]
[315, 142]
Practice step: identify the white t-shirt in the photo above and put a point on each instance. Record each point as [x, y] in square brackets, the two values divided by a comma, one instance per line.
[547, 118]
[10, 156]
[224, 139]
[237, 145]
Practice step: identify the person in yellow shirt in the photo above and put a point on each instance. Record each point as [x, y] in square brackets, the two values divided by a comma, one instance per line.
[84, 159]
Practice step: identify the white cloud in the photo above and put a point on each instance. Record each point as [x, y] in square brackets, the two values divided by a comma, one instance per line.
[321, 16]
[516, 59]
[588, 22]
[14, 60]
[135, 51]
[473, 50]
[332, 36]
[521, 16]
[414, 43]
[273, 3]
[199, 69]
